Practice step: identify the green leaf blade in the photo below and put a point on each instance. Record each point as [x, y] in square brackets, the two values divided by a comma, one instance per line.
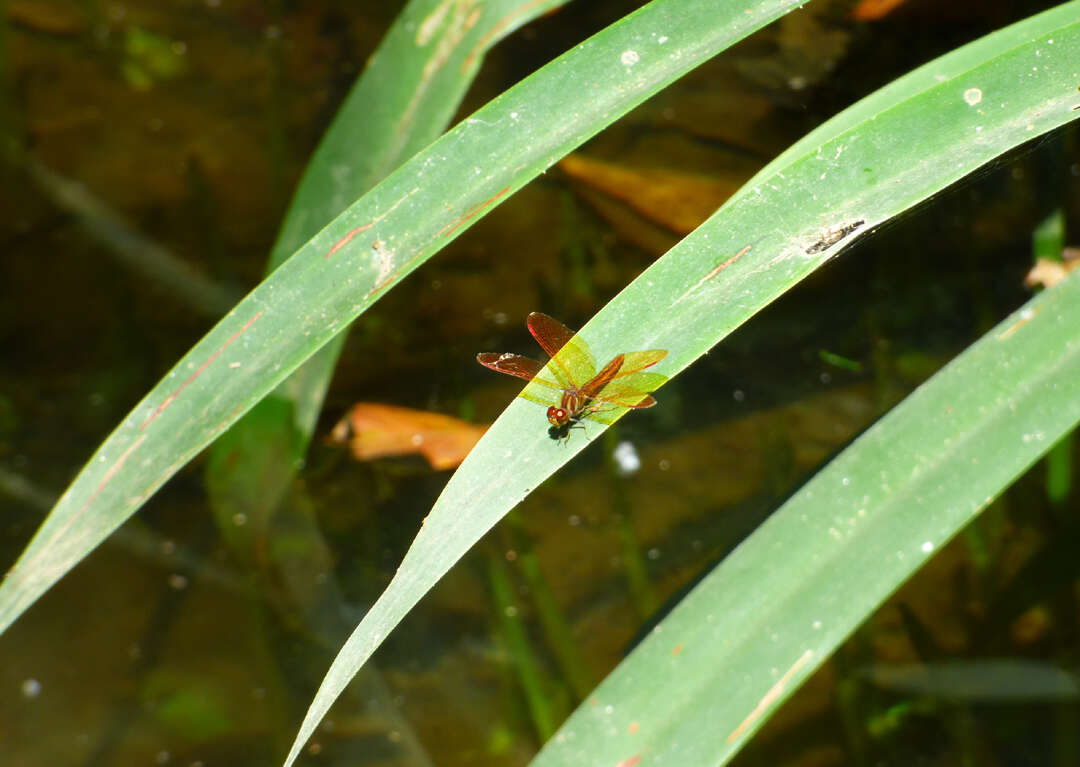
[776, 608]
[413, 84]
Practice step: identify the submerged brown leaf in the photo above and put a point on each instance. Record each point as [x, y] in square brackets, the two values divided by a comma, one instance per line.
[677, 201]
[871, 10]
[372, 430]
[1049, 273]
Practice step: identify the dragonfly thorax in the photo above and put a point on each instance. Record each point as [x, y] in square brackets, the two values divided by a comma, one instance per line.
[570, 408]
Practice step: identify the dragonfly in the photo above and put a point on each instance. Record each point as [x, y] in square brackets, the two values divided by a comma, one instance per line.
[579, 390]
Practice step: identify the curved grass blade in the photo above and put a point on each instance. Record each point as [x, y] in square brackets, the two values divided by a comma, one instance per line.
[405, 98]
[407, 95]
[774, 610]
[895, 148]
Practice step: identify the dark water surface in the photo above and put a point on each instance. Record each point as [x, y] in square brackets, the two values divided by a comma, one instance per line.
[147, 133]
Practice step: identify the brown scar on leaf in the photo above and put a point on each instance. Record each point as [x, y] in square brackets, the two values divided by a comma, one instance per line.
[345, 240]
[495, 31]
[716, 270]
[832, 236]
[725, 265]
[169, 400]
[1026, 316]
[449, 228]
[425, 30]
[117, 465]
[353, 232]
[771, 696]
[474, 17]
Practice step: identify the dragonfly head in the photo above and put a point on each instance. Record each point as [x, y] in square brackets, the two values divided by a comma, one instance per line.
[557, 416]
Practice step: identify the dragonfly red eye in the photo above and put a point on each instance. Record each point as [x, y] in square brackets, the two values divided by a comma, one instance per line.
[557, 416]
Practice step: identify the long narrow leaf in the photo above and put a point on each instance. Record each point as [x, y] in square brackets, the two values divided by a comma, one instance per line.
[403, 101]
[409, 91]
[774, 610]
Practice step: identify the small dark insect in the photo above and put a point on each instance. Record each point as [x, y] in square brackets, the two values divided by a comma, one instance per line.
[833, 236]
